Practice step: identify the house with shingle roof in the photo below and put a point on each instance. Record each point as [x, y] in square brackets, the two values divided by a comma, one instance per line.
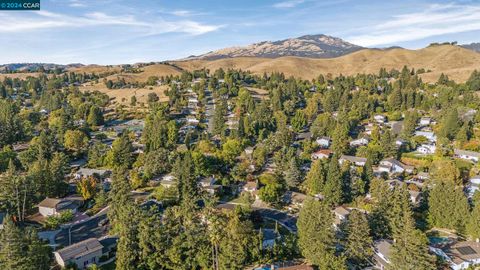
[382, 253]
[460, 255]
[391, 165]
[467, 155]
[82, 254]
[54, 206]
[357, 161]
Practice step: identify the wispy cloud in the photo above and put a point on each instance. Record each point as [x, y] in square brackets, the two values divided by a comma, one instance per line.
[436, 20]
[39, 20]
[77, 3]
[288, 3]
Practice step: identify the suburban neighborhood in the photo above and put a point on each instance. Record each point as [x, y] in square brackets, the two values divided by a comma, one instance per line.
[307, 153]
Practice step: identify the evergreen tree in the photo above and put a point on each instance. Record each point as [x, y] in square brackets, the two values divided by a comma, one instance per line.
[299, 121]
[119, 195]
[387, 145]
[121, 153]
[293, 174]
[316, 178]
[450, 124]
[9, 122]
[400, 206]
[21, 249]
[187, 184]
[410, 248]
[448, 206]
[333, 190]
[395, 99]
[316, 237]
[409, 125]
[340, 138]
[128, 249]
[238, 243]
[38, 252]
[219, 119]
[12, 246]
[358, 246]
[445, 170]
[473, 223]
[95, 116]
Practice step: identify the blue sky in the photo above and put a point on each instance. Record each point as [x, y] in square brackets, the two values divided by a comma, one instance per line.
[129, 31]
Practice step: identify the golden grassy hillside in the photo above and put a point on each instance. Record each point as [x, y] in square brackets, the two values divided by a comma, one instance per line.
[454, 61]
[123, 96]
[95, 69]
[152, 70]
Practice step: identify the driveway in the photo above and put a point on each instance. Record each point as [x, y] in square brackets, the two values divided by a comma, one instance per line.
[286, 220]
[79, 231]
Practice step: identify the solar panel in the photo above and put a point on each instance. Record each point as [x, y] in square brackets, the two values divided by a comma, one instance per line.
[466, 250]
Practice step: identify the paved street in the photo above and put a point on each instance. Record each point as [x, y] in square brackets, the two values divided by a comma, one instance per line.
[209, 109]
[284, 219]
[82, 231]
[288, 221]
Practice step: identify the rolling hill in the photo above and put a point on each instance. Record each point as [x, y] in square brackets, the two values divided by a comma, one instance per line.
[472, 46]
[455, 61]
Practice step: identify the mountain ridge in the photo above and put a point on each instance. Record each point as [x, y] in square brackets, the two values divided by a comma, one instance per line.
[455, 61]
[312, 46]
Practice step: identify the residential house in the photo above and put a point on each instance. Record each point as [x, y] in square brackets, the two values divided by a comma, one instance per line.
[192, 120]
[391, 165]
[380, 118]
[52, 206]
[304, 136]
[321, 154]
[426, 149]
[250, 186]
[369, 129]
[467, 155]
[400, 142]
[415, 196]
[87, 172]
[109, 243]
[430, 135]
[294, 266]
[473, 185]
[357, 161]
[341, 215]
[422, 176]
[382, 252]
[168, 181]
[208, 184]
[425, 121]
[192, 103]
[249, 151]
[295, 199]
[207, 181]
[460, 255]
[359, 142]
[82, 254]
[324, 142]
[397, 127]
[20, 147]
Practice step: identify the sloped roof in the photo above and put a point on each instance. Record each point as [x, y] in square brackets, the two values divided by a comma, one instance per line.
[50, 202]
[79, 249]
